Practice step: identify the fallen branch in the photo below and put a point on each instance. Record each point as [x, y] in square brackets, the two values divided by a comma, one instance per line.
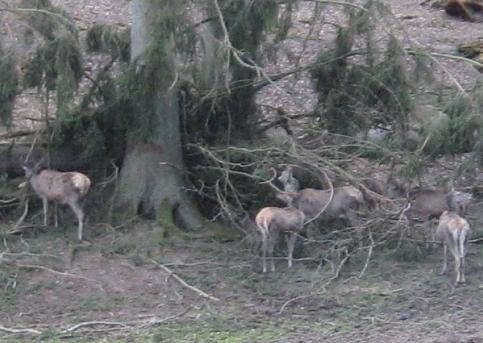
[11, 330]
[22, 217]
[34, 266]
[158, 321]
[16, 134]
[288, 302]
[184, 283]
[369, 255]
[92, 323]
[111, 178]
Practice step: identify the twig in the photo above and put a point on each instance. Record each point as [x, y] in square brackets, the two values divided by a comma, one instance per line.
[19, 10]
[236, 53]
[111, 178]
[339, 3]
[8, 201]
[22, 217]
[336, 275]
[92, 323]
[193, 264]
[19, 133]
[369, 255]
[184, 283]
[162, 320]
[34, 266]
[11, 330]
[31, 149]
[288, 302]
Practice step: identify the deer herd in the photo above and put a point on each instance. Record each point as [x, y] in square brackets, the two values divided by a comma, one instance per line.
[302, 206]
[305, 205]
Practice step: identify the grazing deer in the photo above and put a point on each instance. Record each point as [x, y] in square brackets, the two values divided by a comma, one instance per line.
[61, 188]
[271, 221]
[454, 232]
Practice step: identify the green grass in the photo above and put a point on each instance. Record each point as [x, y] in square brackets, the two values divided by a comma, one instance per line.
[219, 330]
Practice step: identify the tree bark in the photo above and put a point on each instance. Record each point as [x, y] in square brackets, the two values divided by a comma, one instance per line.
[151, 179]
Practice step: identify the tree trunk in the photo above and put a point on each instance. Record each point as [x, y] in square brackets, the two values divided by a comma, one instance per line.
[151, 180]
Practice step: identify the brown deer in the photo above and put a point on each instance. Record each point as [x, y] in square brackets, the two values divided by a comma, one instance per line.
[454, 232]
[335, 203]
[61, 188]
[429, 204]
[271, 221]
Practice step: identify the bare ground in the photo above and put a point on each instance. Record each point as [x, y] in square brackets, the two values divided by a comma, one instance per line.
[117, 280]
[400, 298]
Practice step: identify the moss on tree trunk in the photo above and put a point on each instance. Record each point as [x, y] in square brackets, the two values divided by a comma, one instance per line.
[151, 180]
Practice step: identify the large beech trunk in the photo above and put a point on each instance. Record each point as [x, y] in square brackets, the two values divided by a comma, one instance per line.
[151, 180]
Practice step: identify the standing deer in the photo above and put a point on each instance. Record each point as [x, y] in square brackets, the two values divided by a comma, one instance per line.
[454, 232]
[271, 221]
[430, 204]
[335, 203]
[61, 188]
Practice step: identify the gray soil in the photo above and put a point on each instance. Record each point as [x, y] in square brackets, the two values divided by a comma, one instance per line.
[117, 291]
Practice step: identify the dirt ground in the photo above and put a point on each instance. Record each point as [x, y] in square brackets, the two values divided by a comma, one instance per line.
[116, 290]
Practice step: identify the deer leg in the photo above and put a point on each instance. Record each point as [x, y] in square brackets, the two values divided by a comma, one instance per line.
[445, 259]
[56, 219]
[457, 267]
[464, 248]
[432, 233]
[352, 220]
[45, 203]
[290, 245]
[462, 269]
[80, 217]
[272, 240]
[429, 234]
[264, 251]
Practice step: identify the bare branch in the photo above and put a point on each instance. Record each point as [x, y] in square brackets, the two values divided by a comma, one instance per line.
[184, 283]
[12, 330]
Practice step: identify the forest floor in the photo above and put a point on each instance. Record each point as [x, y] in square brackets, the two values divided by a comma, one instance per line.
[115, 289]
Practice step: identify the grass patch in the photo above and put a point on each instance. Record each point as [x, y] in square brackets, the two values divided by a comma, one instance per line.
[220, 330]
[405, 252]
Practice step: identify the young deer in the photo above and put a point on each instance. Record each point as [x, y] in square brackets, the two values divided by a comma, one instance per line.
[61, 188]
[271, 221]
[454, 232]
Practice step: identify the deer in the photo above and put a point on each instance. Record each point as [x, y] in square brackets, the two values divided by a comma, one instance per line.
[431, 203]
[66, 188]
[271, 221]
[454, 232]
[335, 203]
[291, 220]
